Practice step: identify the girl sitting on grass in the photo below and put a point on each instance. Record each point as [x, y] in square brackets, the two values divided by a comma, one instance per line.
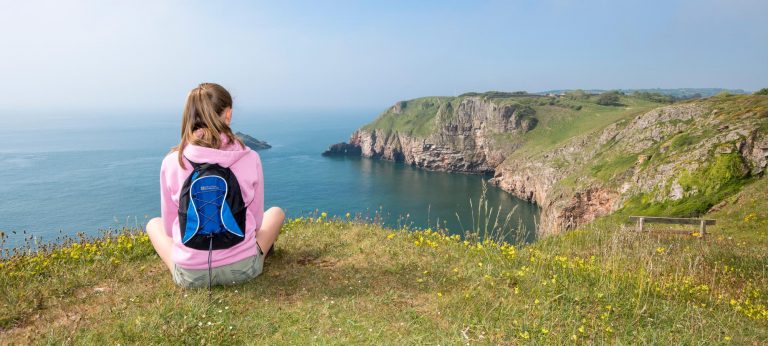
[206, 138]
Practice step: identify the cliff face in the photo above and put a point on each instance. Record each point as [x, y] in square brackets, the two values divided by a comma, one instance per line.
[668, 156]
[461, 142]
[673, 160]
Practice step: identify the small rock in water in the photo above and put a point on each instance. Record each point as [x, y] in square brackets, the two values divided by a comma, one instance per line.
[343, 149]
[251, 142]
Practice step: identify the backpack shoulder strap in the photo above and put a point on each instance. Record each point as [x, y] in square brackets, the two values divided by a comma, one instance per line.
[195, 166]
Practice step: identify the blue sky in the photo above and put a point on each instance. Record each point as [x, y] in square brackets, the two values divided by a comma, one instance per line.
[145, 56]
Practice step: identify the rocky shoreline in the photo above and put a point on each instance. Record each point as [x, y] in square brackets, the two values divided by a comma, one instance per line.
[461, 143]
[564, 181]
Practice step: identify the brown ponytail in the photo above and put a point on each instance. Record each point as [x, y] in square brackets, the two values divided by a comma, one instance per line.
[205, 111]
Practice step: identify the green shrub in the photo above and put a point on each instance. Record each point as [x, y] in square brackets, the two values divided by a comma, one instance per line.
[609, 98]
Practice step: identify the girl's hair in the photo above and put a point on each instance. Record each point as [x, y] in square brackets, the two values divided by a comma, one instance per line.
[205, 111]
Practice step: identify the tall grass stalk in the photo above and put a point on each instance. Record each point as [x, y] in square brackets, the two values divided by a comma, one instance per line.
[487, 223]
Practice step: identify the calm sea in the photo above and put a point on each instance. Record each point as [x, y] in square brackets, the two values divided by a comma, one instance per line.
[67, 174]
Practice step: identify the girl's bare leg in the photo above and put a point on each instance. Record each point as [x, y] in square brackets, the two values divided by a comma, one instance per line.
[270, 228]
[161, 241]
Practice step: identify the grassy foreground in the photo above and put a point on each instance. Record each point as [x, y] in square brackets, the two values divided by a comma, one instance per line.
[340, 282]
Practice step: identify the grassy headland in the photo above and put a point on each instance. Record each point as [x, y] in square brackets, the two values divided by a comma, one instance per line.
[341, 281]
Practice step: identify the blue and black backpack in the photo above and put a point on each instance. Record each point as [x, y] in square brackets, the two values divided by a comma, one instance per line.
[211, 210]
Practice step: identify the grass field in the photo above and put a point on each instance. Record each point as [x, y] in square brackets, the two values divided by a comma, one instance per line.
[341, 282]
[416, 119]
[558, 124]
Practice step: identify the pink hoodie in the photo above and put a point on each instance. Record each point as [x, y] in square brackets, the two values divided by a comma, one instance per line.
[246, 165]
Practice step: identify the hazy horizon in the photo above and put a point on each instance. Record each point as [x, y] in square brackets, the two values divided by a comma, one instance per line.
[91, 57]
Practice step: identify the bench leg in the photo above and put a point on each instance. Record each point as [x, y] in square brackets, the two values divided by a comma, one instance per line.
[703, 228]
[640, 224]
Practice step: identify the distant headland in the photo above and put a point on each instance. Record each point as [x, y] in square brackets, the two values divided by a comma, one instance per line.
[251, 142]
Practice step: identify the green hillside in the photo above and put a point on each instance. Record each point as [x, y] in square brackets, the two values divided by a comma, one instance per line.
[560, 118]
[341, 282]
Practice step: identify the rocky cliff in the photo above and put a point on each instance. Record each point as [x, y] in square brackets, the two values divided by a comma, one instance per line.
[461, 139]
[674, 160]
[679, 159]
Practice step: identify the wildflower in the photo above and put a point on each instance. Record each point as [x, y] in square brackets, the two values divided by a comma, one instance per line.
[609, 329]
[660, 250]
[524, 335]
[536, 301]
[696, 234]
[727, 338]
[391, 235]
[323, 215]
[439, 294]
[480, 264]
[455, 270]
[347, 215]
[582, 329]
[544, 331]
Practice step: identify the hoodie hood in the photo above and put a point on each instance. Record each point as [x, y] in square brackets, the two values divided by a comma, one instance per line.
[225, 156]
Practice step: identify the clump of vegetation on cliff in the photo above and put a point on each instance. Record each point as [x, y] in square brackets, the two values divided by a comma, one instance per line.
[704, 188]
[342, 281]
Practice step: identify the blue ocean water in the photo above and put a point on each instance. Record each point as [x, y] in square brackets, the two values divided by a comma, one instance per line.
[65, 175]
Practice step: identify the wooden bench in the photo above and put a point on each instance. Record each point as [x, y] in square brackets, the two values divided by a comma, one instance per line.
[642, 220]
